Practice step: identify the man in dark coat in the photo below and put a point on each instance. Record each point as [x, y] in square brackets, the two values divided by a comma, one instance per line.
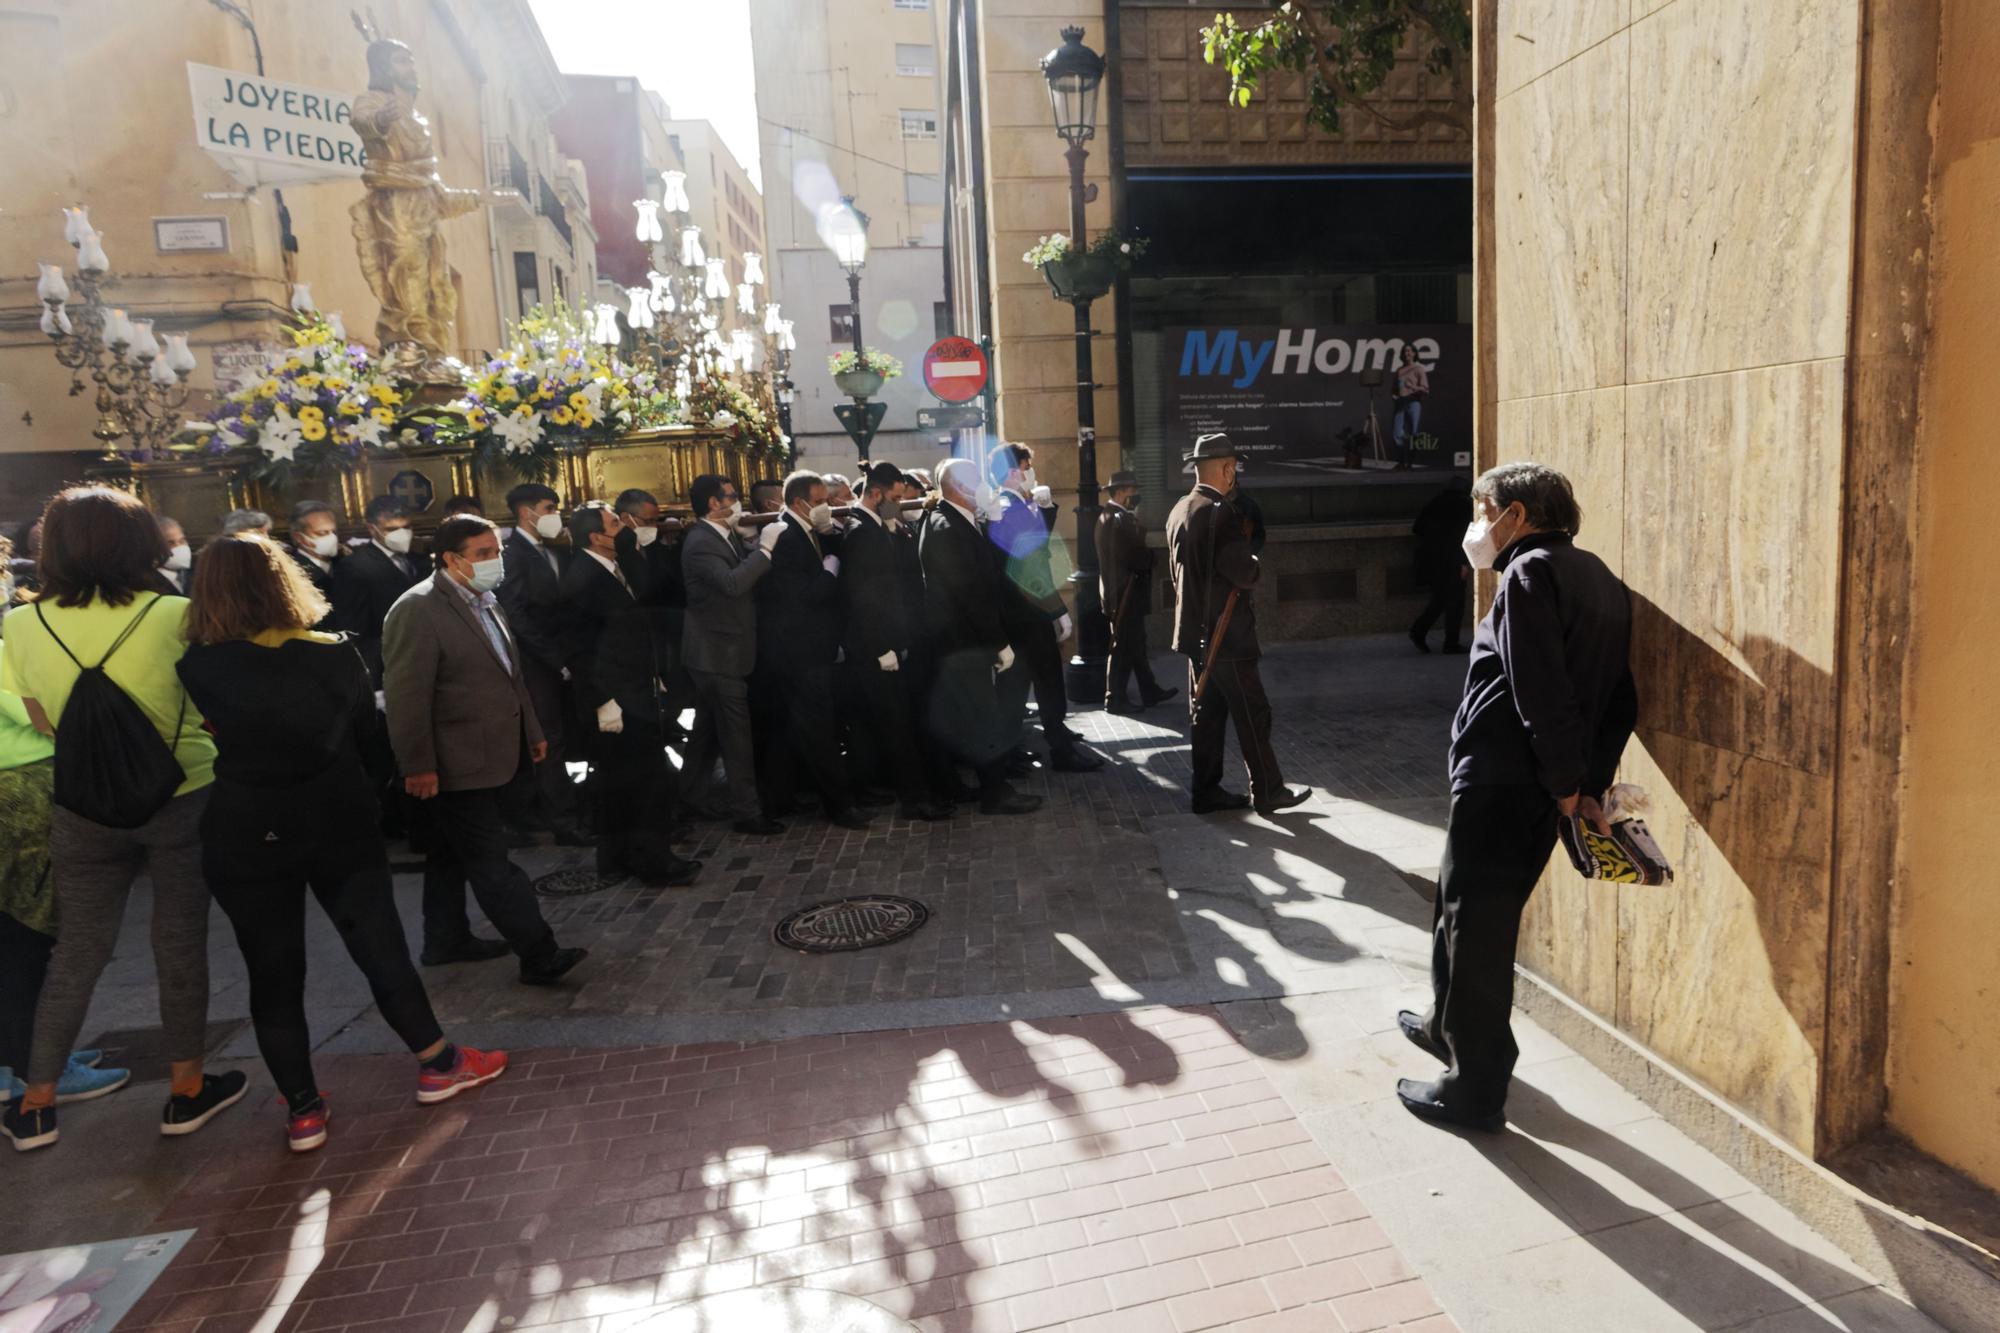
[1020, 520]
[798, 642]
[533, 599]
[613, 649]
[1124, 587]
[1549, 705]
[1208, 542]
[369, 579]
[967, 641]
[657, 546]
[314, 545]
[879, 641]
[1441, 564]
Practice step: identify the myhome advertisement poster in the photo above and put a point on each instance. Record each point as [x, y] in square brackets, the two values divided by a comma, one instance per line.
[1298, 401]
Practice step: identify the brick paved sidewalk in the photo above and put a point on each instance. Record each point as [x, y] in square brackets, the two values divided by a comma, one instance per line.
[1130, 1171]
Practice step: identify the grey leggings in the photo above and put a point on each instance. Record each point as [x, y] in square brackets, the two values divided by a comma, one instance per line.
[93, 868]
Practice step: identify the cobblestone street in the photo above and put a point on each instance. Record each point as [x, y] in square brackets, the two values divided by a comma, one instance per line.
[1136, 1073]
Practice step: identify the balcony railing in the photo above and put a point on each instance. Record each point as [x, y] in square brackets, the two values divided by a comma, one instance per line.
[551, 208]
[506, 169]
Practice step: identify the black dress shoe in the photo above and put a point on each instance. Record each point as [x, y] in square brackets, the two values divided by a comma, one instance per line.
[1413, 1027]
[1422, 1100]
[1021, 763]
[1119, 708]
[678, 872]
[1158, 697]
[471, 949]
[1076, 759]
[1209, 802]
[1418, 640]
[957, 793]
[547, 971]
[925, 810]
[759, 827]
[1285, 800]
[1010, 803]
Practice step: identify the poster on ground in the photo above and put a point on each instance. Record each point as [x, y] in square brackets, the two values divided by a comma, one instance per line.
[79, 1288]
[1318, 404]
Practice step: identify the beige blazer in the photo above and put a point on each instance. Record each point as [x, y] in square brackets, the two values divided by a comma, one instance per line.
[454, 708]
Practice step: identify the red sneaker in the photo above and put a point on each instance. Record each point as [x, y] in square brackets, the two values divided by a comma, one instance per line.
[308, 1131]
[474, 1067]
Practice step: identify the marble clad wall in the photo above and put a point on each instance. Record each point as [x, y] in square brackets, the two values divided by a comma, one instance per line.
[1671, 220]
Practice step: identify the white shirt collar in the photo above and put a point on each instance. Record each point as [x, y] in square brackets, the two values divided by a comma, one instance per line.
[610, 565]
[528, 531]
[325, 566]
[969, 518]
[720, 526]
[385, 550]
[864, 509]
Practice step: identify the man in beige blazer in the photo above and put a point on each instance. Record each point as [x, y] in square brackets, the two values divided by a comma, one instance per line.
[464, 731]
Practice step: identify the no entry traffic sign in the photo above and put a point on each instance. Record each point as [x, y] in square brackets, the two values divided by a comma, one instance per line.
[955, 370]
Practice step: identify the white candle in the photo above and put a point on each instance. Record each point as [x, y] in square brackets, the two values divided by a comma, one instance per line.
[162, 374]
[718, 278]
[302, 298]
[179, 358]
[90, 256]
[76, 223]
[649, 221]
[144, 345]
[771, 320]
[691, 256]
[51, 286]
[55, 322]
[674, 194]
[753, 268]
[117, 329]
[333, 321]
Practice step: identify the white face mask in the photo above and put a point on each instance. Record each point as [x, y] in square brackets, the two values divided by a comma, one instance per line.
[1479, 544]
[820, 516]
[398, 540]
[646, 536]
[180, 556]
[325, 545]
[734, 512]
[487, 574]
[1028, 479]
[548, 526]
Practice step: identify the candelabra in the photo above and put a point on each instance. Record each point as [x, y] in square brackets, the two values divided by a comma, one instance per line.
[141, 383]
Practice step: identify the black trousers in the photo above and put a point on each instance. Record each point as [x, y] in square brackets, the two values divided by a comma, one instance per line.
[796, 729]
[1497, 841]
[633, 794]
[554, 793]
[24, 962]
[884, 734]
[262, 889]
[1235, 695]
[723, 725]
[1129, 654]
[1037, 666]
[469, 844]
[1447, 602]
[967, 716]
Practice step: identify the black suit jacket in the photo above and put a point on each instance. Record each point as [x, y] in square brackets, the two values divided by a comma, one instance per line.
[365, 583]
[532, 596]
[798, 604]
[961, 584]
[321, 579]
[608, 643]
[873, 593]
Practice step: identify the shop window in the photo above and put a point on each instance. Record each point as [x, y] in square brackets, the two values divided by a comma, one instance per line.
[840, 323]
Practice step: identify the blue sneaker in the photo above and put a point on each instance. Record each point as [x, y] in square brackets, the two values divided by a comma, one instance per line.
[90, 1058]
[10, 1087]
[80, 1082]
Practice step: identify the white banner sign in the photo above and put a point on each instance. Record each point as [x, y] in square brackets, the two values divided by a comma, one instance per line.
[271, 133]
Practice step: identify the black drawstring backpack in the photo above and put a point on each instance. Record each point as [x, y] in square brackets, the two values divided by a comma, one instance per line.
[112, 768]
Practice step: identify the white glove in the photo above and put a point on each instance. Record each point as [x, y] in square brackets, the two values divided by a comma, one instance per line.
[887, 661]
[381, 701]
[995, 507]
[1005, 660]
[768, 538]
[610, 717]
[1063, 628]
[831, 564]
[565, 672]
[1043, 499]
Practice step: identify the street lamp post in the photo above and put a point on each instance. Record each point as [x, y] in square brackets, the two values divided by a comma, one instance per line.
[1073, 72]
[847, 235]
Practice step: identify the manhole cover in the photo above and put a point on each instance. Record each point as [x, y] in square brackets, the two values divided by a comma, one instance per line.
[778, 1310]
[851, 923]
[571, 883]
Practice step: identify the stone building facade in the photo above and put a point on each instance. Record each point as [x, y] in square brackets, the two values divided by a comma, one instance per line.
[1733, 261]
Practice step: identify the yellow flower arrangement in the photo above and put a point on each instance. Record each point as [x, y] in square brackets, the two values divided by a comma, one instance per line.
[314, 431]
[384, 415]
[311, 412]
[309, 381]
[562, 416]
[578, 403]
[508, 394]
[584, 419]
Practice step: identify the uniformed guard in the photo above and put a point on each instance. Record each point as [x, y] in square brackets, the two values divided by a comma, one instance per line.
[1215, 626]
[1124, 585]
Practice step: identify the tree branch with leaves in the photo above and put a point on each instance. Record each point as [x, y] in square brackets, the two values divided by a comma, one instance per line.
[1349, 48]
